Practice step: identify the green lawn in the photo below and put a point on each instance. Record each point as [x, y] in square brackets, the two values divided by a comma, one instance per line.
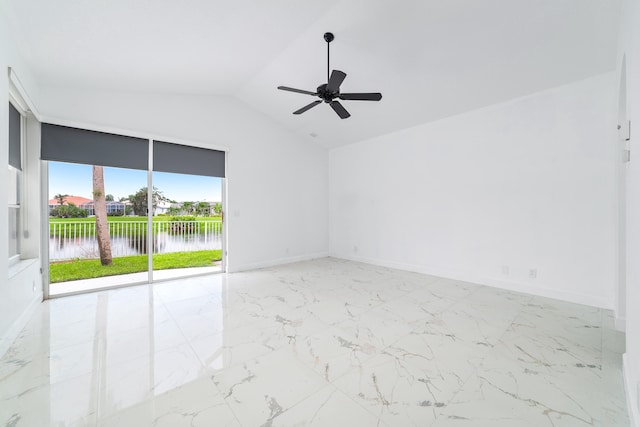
[129, 219]
[88, 269]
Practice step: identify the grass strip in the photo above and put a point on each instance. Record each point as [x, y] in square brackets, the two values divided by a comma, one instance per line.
[66, 271]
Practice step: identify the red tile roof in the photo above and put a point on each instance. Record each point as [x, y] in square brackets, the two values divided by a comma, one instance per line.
[76, 200]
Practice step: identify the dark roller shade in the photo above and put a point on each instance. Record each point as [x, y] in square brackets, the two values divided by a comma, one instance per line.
[66, 144]
[14, 138]
[185, 159]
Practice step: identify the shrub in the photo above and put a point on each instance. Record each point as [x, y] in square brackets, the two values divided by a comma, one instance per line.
[68, 211]
[182, 218]
[182, 224]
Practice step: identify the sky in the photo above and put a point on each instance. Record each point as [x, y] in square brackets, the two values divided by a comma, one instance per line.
[76, 180]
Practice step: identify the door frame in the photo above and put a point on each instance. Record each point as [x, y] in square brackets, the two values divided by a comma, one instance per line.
[44, 192]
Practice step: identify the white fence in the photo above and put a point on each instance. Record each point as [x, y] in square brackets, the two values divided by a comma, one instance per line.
[77, 239]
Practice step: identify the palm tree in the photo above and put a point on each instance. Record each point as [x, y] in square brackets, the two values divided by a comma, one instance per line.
[217, 208]
[173, 211]
[187, 207]
[61, 198]
[203, 208]
[100, 209]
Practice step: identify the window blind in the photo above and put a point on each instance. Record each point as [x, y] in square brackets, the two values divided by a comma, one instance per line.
[14, 138]
[176, 158]
[67, 144]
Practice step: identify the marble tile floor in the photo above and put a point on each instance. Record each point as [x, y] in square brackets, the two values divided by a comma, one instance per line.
[87, 285]
[326, 342]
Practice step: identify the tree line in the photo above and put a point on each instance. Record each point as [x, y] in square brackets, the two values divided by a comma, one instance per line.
[138, 206]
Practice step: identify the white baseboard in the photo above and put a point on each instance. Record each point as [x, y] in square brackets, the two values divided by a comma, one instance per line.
[629, 384]
[14, 330]
[548, 292]
[277, 261]
[528, 288]
[620, 323]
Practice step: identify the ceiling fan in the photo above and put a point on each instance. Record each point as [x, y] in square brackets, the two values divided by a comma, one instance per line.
[328, 92]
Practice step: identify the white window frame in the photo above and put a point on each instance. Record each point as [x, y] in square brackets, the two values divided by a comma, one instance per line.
[12, 206]
[15, 102]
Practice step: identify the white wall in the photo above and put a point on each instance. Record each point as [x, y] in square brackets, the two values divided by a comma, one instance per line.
[21, 285]
[629, 48]
[528, 184]
[277, 182]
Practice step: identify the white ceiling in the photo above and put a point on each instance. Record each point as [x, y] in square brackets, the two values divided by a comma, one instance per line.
[430, 58]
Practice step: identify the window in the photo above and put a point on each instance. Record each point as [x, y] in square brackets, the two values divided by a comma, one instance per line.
[15, 180]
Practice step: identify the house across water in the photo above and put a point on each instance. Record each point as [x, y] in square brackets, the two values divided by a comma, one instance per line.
[113, 208]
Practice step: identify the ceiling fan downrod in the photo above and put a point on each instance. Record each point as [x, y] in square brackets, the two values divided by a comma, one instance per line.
[328, 37]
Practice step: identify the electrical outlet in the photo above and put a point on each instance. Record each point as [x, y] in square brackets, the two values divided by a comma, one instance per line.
[355, 249]
[505, 270]
[533, 273]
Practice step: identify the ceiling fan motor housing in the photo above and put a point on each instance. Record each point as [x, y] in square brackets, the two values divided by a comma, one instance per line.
[326, 95]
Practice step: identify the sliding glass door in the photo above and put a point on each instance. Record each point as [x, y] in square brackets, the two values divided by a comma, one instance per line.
[114, 200]
[97, 236]
[187, 225]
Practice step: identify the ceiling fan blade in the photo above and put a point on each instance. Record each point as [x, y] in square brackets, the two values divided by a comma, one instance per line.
[290, 89]
[336, 79]
[361, 96]
[307, 107]
[339, 109]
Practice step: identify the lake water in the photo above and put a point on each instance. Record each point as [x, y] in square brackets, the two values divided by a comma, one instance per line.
[63, 248]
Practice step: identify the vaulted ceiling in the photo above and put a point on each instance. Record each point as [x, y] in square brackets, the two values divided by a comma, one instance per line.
[430, 58]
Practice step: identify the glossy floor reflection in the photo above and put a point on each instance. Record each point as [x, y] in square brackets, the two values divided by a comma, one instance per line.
[325, 342]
